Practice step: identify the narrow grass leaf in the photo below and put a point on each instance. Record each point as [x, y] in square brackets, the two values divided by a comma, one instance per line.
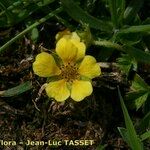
[123, 132]
[133, 138]
[16, 90]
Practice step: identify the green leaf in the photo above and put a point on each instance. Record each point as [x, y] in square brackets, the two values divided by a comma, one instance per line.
[121, 9]
[145, 135]
[136, 99]
[138, 54]
[34, 34]
[16, 90]
[133, 138]
[123, 132]
[117, 8]
[19, 10]
[113, 11]
[132, 10]
[135, 29]
[44, 2]
[129, 39]
[125, 63]
[80, 15]
[139, 94]
[139, 84]
[9, 15]
[141, 100]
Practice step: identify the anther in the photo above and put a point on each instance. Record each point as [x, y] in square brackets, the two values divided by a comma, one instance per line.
[69, 72]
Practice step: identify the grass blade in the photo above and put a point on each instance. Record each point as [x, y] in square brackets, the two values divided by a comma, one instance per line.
[16, 90]
[133, 138]
[123, 132]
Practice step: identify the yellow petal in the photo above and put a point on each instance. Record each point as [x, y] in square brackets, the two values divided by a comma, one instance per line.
[75, 36]
[81, 48]
[71, 36]
[66, 50]
[89, 67]
[66, 33]
[45, 66]
[58, 90]
[81, 89]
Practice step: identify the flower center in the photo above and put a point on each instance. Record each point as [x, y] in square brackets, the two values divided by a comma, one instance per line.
[69, 72]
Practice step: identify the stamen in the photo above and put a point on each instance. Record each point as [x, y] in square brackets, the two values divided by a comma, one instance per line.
[69, 72]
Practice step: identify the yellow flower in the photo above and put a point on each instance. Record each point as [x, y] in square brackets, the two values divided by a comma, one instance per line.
[72, 69]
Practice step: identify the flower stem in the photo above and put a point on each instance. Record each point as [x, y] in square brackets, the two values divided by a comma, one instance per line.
[21, 34]
[108, 44]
